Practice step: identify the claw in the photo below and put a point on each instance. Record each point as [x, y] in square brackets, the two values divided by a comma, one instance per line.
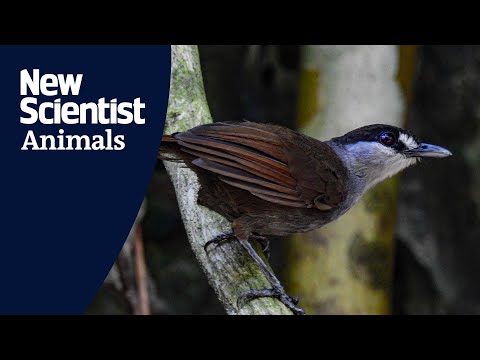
[217, 240]
[221, 238]
[207, 244]
[277, 293]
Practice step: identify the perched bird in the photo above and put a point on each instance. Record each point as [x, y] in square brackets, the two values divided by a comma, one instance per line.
[270, 180]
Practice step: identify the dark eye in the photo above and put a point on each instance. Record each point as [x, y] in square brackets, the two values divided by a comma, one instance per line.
[388, 138]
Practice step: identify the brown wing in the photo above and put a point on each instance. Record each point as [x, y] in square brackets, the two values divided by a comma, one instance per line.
[271, 162]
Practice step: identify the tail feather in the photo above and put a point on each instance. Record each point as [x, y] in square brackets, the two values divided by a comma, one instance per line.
[170, 150]
[168, 139]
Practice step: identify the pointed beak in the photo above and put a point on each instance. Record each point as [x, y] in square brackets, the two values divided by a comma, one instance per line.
[428, 151]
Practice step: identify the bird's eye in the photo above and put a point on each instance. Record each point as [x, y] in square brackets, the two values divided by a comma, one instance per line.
[388, 138]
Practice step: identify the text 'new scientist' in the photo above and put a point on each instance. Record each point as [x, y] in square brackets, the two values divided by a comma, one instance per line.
[57, 112]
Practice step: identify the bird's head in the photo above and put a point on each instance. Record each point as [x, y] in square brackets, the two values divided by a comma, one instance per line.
[374, 153]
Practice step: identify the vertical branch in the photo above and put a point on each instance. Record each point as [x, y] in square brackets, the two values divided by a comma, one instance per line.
[346, 266]
[129, 274]
[141, 276]
[229, 269]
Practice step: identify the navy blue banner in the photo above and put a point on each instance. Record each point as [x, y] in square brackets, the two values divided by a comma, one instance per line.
[81, 126]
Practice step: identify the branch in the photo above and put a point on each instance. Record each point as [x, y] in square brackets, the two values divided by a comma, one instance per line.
[141, 275]
[129, 273]
[228, 267]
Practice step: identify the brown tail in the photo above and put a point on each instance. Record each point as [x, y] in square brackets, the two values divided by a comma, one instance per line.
[170, 150]
[168, 139]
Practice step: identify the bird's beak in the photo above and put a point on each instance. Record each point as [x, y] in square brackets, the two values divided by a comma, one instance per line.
[428, 150]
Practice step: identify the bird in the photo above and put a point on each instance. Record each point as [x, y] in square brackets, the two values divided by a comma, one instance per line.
[269, 180]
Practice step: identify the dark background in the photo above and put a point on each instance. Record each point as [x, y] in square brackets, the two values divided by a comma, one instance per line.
[437, 260]
[59, 240]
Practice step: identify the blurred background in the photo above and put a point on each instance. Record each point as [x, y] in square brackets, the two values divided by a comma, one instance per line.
[422, 256]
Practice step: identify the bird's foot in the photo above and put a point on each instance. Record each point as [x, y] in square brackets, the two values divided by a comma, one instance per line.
[276, 292]
[219, 239]
[224, 237]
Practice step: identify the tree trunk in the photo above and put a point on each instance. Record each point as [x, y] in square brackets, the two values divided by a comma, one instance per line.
[346, 266]
[228, 267]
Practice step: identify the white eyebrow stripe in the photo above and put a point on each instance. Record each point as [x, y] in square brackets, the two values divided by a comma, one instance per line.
[409, 142]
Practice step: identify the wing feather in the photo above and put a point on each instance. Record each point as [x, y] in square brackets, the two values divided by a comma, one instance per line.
[249, 166]
[229, 171]
[253, 188]
[236, 149]
[271, 162]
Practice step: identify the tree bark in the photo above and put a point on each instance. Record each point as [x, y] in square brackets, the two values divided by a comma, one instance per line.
[346, 266]
[228, 267]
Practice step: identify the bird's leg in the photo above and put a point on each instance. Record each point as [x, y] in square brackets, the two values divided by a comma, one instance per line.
[227, 236]
[277, 291]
